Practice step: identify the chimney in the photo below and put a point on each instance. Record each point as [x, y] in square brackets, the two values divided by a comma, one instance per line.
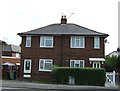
[63, 19]
[118, 49]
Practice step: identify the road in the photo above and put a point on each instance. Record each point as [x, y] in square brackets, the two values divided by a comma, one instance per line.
[27, 89]
[30, 86]
[24, 89]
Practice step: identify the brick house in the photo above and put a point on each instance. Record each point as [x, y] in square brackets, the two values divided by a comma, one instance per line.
[62, 44]
[11, 53]
[10, 58]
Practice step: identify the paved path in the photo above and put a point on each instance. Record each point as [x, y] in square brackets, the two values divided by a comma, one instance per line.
[31, 85]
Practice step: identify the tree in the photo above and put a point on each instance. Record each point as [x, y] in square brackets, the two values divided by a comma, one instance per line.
[118, 62]
[111, 63]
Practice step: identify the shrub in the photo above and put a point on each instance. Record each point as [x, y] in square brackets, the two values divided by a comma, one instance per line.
[82, 76]
[111, 63]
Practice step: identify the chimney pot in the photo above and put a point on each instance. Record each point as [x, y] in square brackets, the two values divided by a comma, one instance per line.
[63, 19]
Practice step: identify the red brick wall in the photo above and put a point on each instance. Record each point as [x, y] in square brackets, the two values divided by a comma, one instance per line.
[11, 60]
[57, 53]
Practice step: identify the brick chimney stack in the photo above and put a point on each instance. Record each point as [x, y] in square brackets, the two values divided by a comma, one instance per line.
[63, 19]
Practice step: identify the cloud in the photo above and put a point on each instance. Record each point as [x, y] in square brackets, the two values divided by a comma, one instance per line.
[24, 15]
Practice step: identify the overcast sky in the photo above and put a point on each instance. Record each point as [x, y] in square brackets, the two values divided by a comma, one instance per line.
[18, 16]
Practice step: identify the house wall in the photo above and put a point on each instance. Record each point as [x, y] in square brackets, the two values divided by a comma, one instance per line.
[61, 54]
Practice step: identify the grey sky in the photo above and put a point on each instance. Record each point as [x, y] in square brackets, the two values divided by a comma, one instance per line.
[24, 15]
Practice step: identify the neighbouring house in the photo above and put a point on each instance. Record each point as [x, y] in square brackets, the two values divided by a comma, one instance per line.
[115, 53]
[61, 44]
[10, 59]
[11, 53]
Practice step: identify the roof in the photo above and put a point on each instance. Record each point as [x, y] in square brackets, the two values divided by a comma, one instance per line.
[63, 29]
[12, 48]
[96, 59]
[114, 53]
[9, 64]
[13, 60]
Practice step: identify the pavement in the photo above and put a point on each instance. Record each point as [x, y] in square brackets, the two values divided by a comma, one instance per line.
[32, 85]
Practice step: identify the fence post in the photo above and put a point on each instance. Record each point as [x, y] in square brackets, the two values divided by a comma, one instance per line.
[113, 78]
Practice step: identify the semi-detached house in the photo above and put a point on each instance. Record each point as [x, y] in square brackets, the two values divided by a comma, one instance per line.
[61, 44]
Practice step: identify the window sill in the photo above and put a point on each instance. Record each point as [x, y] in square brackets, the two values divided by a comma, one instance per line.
[45, 70]
[97, 48]
[77, 47]
[46, 47]
[28, 46]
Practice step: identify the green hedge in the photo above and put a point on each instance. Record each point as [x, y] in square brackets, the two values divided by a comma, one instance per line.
[82, 76]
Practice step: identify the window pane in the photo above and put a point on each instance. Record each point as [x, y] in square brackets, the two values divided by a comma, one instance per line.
[73, 41]
[27, 66]
[48, 38]
[96, 42]
[94, 65]
[48, 43]
[41, 64]
[82, 42]
[48, 66]
[98, 66]
[81, 63]
[71, 63]
[28, 41]
[42, 41]
[77, 43]
[77, 63]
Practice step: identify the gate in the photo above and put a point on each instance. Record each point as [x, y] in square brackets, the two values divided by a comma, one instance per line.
[111, 78]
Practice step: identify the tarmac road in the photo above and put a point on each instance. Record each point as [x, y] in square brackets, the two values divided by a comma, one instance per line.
[29, 86]
[26, 89]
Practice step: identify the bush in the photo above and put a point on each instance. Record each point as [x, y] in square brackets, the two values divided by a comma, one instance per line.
[82, 76]
[111, 63]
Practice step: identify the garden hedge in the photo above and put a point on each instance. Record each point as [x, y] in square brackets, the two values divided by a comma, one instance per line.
[82, 76]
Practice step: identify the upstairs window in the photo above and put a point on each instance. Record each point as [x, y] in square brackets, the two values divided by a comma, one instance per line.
[77, 63]
[77, 42]
[96, 42]
[28, 41]
[46, 41]
[45, 64]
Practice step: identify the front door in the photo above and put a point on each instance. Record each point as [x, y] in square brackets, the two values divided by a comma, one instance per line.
[27, 67]
[96, 65]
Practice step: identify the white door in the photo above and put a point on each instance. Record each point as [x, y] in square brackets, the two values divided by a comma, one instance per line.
[96, 65]
[27, 65]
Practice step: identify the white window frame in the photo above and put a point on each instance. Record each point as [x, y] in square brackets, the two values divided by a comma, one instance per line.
[25, 63]
[44, 62]
[96, 65]
[97, 42]
[77, 38]
[28, 41]
[76, 61]
[44, 41]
